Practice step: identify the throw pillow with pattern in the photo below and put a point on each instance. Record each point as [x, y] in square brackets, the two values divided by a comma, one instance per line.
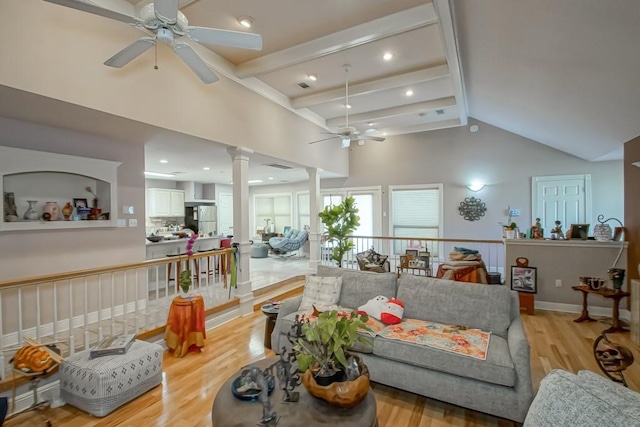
[323, 292]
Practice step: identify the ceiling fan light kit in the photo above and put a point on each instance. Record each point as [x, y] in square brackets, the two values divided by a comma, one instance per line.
[348, 133]
[163, 18]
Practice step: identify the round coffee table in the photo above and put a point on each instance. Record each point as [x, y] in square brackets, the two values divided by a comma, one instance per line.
[228, 411]
[271, 311]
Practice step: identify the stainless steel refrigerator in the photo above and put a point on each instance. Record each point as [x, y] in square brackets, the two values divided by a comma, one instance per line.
[201, 217]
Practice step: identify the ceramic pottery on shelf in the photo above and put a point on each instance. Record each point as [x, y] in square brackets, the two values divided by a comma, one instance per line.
[602, 232]
[31, 214]
[67, 211]
[52, 209]
[343, 394]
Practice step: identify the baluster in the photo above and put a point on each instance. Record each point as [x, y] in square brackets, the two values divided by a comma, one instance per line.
[85, 316]
[100, 331]
[19, 316]
[113, 298]
[135, 304]
[2, 361]
[72, 338]
[55, 310]
[38, 319]
[124, 302]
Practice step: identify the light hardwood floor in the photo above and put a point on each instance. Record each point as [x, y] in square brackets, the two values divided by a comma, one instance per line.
[191, 383]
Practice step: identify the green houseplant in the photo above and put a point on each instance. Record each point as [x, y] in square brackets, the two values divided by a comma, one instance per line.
[340, 221]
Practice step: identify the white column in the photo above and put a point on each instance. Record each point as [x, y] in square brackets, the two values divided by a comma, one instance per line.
[315, 223]
[240, 157]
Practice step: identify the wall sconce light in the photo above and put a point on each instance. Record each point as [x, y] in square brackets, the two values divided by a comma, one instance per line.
[636, 164]
[475, 186]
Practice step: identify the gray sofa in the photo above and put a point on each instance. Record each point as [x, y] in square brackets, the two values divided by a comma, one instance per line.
[499, 385]
[583, 400]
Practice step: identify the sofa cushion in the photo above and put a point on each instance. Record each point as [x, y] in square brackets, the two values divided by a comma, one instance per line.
[497, 368]
[358, 287]
[446, 301]
[287, 323]
[569, 400]
[323, 292]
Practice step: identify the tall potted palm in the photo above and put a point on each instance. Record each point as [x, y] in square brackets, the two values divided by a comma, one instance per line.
[340, 221]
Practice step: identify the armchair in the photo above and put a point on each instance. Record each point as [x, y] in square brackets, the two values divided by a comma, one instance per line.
[293, 242]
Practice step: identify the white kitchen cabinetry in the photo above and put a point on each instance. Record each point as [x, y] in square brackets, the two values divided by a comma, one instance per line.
[165, 202]
[27, 175]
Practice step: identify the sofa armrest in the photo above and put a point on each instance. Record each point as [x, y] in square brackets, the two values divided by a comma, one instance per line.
[287, 307]
[519, 350]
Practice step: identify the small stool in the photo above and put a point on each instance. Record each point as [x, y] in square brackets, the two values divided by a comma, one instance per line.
[100, 385]
[259, 250]
[179, 267]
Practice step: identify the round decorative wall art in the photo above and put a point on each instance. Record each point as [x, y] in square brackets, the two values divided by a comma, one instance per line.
[472, 209]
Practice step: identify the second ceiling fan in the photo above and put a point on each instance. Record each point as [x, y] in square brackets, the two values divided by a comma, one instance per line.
[349, 134]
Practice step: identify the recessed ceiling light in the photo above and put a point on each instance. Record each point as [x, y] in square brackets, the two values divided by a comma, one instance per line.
[312, 77]
[254, 181]
[245, 21]
[164, 161]
[206, 169]
[370, 123]
[384, 134]
[270, 178]
[409, 92]
[163, 175]
[348, 106]
[387, 56]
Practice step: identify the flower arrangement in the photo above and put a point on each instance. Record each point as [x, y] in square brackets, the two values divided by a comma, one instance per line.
[509, 225]
[185, 276]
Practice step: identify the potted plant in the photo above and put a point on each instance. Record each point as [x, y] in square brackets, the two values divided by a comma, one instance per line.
[329, 372]
[340, 221]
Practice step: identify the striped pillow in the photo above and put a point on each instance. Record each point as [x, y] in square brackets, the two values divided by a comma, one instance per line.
[323, 292]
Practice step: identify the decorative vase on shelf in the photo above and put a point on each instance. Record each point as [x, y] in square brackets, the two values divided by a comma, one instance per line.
[52, 209]
[67, 211]
[602, 232]
[31, 213]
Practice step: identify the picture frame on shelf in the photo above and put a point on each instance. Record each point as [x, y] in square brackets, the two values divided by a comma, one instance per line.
[578, 231]
[411, 252]
[404, 261]
[80, 203]
[617, 233]
[524, 279]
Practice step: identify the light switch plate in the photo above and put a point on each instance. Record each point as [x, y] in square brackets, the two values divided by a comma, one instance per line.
[133, 222]
[122, 222]
[127, 210]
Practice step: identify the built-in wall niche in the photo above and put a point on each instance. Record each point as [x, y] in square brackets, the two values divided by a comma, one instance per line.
[40, 177]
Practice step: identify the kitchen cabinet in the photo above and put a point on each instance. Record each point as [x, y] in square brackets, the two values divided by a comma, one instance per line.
[165, 202]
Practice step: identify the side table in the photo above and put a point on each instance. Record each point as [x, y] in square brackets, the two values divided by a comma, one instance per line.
[615, 295]
[185, 325]
[419, 270]
[270, 310]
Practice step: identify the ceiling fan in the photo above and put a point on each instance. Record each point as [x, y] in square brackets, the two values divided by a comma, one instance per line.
[349, 134]
[163, 18]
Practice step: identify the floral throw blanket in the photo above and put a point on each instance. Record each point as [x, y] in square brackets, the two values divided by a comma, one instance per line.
[453, 338]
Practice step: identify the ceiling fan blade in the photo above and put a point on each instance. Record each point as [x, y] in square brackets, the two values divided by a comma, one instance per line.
[166, 10]
[225, 37]
[324, 139]
[197, 65]
[96, 10]
[371, 138]
[130, 52]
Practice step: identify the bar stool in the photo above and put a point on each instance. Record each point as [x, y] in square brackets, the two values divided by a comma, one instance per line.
[179, 267]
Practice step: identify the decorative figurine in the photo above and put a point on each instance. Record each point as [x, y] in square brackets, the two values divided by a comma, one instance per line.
[536, 230]
[557, 230]
[254, 378]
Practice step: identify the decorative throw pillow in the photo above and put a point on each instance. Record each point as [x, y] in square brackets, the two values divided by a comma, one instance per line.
[323, 292]
[392, 313]
[379, 259]
[374, 307]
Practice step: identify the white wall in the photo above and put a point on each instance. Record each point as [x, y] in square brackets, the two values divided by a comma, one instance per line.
[455, 157]
[33, 253]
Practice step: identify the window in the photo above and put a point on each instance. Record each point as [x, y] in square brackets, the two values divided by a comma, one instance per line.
[303, 210]
[415, 212]
[273, 209]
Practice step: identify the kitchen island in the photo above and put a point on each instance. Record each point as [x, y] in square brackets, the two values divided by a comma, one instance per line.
[179, 246]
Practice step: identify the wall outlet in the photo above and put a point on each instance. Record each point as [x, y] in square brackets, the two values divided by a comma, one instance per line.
[133, 222]
[122, 222]
[558, 283]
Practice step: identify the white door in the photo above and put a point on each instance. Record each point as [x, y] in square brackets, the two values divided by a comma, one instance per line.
[225, 214]
[566, 198]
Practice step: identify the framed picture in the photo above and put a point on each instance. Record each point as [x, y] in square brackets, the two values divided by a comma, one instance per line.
[617, 233]
[412, 252]
[578, 231]
[524, 279]
[80, 203]
[404, 261]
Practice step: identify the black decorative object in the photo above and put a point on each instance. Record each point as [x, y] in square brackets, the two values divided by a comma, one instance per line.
[472, 209]
[245, 389]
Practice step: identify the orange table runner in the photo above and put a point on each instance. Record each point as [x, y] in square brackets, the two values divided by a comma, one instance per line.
[185, 325]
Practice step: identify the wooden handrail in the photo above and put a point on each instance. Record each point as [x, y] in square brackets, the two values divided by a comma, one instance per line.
[427, 239]
[47, 278]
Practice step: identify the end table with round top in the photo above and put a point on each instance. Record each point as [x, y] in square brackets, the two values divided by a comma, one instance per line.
[271, 311]
[228, 411]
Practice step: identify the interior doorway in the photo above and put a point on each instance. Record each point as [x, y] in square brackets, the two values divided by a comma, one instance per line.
[564, 197]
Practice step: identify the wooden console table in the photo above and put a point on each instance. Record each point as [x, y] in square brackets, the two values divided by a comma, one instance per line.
[419, 270]
[616, 296]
